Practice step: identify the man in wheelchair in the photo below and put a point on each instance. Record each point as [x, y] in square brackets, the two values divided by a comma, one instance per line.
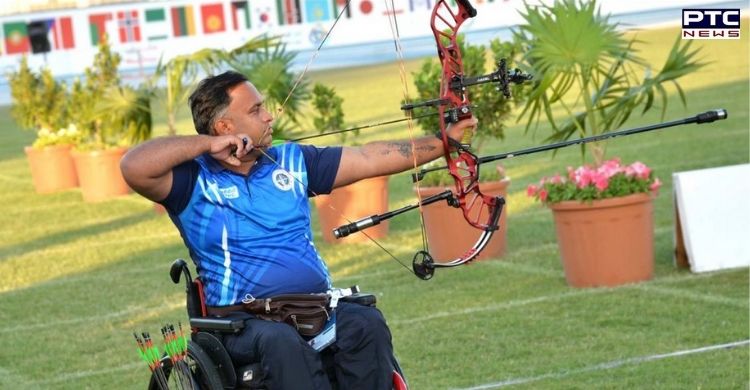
[241, 206]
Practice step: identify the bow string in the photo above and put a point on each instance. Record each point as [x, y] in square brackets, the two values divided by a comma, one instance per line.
[479, 210]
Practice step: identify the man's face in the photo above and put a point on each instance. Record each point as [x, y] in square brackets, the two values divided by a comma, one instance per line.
[247, 115]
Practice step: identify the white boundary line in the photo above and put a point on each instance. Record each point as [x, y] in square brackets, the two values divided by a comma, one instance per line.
[65, 247]
[645, 286]
[609, 365]
[8, 377]
[84, 374]
[702, 297]
[131, 312]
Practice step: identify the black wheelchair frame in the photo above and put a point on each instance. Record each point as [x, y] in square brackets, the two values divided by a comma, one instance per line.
[210, 365]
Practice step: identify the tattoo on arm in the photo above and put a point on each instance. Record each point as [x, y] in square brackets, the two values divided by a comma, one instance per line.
[404, 149]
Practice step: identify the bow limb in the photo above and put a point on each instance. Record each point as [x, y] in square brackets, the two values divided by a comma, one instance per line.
[479, 210]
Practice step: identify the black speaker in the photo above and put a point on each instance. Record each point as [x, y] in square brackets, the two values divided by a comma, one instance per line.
[38, 36]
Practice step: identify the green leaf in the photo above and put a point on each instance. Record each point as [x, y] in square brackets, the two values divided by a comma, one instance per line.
[586, 68]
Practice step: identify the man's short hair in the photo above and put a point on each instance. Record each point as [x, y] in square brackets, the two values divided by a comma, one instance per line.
[211, 97]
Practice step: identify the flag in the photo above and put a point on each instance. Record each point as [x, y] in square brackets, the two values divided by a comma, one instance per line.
[366, 8]
[128, 26]
[264, 13]
[417, 5]
[16, 38]
[212, 18]
[183, 22]
[240, 15]
[98, 27]
[156, 27]
[317, 10]
[61, 33]
[339, 5]
[288, 11]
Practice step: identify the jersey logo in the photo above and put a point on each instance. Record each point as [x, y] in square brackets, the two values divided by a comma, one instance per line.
[230, 192]
[282, 179]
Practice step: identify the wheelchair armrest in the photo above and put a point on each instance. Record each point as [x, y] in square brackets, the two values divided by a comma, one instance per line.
[217, 324]
[364, 299]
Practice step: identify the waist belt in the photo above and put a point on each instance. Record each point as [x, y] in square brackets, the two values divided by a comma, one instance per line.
[223, 311]
[308, 313]
[257, 306]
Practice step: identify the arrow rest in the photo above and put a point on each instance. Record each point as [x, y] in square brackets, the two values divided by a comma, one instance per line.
[423, 265]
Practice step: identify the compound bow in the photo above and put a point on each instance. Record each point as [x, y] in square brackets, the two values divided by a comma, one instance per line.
[480, 211]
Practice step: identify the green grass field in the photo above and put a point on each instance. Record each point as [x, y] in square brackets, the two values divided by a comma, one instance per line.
[77, 278]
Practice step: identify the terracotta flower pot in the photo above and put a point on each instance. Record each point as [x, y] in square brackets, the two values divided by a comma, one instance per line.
[608, 242]
[52, 168]
[99, 174]
[347, 204]
[449, 236]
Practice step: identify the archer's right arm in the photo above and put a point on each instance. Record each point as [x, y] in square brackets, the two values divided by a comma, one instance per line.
[147, 168]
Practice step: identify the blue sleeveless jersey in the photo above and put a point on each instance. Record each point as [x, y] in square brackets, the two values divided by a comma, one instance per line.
[251, 234]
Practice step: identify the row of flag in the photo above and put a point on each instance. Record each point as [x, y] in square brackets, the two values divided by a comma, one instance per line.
[152, 23]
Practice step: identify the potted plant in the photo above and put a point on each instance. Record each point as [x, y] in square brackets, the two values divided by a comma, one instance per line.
[448, 233]
[354, 201]
[112, 117]
[38, 103]
[585, 68]
[604, 221]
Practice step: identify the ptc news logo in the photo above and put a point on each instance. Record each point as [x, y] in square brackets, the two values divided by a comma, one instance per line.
[711, 23]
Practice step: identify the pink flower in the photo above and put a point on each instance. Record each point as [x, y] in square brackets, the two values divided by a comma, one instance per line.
[543, 195]
[640, 170]
[610, 168]
[654, 187]
[583, 176]
[586, 183]
[601, 182]
[531, 190]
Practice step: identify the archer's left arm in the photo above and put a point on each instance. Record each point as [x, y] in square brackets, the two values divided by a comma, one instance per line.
[389, 157]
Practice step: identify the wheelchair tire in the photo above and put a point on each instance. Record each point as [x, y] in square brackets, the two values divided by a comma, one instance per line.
[203, 372]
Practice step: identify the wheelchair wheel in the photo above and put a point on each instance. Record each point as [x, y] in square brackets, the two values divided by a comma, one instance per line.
[198, 370]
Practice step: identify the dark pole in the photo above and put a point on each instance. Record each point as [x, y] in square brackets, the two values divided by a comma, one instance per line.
[706, 117]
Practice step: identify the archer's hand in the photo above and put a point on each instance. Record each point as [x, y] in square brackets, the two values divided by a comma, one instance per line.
[456, 130]
[230, 148]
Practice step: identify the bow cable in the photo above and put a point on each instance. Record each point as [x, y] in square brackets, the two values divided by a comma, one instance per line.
[393, 24]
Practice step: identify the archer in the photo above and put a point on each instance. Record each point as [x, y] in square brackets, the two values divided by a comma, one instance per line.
[241, 206]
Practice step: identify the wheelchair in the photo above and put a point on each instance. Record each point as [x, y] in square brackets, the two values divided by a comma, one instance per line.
[208, 362]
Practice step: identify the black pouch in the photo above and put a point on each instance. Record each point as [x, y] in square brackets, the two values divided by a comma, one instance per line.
[308, 313]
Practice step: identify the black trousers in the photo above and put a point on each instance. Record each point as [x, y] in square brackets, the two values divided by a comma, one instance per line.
[362, 354]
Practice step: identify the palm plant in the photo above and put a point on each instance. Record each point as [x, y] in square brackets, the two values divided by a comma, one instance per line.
[269, 69]
[128, 110]
[182, 72]
[584, 66]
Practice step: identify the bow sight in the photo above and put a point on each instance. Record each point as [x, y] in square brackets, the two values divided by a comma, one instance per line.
[458, 85]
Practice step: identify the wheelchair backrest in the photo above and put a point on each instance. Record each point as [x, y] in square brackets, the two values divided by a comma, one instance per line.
[195, 301]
